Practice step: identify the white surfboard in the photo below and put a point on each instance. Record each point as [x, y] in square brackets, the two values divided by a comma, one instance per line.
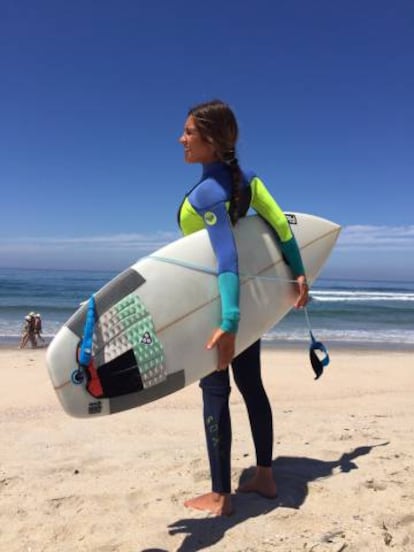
[153, 320]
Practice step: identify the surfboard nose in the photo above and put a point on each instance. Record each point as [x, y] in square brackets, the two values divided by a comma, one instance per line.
[334, 225]
[332, 234]
[317, 249]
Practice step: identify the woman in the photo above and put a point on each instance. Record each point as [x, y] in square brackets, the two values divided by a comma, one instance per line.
[216, 202]
[28, 332]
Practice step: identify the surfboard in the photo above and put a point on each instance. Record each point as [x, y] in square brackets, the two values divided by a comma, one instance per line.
[152, 321]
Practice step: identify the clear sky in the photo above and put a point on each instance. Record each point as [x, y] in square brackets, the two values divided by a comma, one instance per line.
[94, 94]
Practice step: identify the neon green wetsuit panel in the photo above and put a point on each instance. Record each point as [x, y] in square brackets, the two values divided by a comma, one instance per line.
[265, 205]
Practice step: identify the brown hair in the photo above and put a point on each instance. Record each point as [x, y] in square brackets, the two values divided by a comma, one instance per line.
[217, 125]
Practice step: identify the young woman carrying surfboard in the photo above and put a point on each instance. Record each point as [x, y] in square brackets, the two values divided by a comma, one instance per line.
[224, 194]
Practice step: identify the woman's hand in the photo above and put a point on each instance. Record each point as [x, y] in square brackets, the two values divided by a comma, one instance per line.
[226, 345]
[303, 290]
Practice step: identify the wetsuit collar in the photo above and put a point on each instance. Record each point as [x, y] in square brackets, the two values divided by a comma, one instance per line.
[212, 168]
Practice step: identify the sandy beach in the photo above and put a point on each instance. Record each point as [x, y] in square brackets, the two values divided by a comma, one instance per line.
[343, 460]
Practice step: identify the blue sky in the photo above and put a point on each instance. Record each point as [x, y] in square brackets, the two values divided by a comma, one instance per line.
[94, 94]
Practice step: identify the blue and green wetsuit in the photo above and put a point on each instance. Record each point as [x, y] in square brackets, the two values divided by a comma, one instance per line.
[206, 206]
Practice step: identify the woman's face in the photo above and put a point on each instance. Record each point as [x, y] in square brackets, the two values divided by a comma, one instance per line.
[196, 149]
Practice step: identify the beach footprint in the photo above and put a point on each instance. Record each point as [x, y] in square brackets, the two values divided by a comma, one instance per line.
[375, 485]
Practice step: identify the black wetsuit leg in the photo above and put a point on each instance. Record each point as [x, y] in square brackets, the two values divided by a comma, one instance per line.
[247, 376]
[217, 425]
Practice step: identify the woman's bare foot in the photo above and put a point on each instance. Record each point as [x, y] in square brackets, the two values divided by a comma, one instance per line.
[218, 504]
[262, 482]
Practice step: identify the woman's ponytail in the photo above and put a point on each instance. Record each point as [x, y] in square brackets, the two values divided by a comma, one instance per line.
[236, 188]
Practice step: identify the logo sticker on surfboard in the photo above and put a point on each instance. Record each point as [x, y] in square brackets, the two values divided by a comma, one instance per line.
[291, 218]
[146, 339]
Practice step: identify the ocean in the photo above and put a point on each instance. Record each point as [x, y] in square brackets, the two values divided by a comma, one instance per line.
[373, 314]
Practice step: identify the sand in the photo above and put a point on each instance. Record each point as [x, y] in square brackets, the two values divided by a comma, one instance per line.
[343, 460]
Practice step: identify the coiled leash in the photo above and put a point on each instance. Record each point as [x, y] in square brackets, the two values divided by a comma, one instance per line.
[318, 364]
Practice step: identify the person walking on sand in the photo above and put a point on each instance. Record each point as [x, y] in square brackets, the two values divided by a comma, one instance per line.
[38, 327]
[28, 331]
[224, 194]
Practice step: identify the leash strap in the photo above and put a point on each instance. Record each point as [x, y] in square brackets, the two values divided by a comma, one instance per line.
[85, 352]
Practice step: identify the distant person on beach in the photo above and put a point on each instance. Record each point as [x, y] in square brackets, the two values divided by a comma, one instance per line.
[28, 331]
[224, 194]
[38, 327]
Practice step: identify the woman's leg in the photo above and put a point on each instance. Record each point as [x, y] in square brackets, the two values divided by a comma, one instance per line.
[217, 425]
[247, 376]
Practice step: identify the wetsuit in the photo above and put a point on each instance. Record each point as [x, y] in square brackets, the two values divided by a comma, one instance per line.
[206, 206]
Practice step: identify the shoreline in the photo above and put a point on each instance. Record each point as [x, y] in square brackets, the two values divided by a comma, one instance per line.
[332, 346]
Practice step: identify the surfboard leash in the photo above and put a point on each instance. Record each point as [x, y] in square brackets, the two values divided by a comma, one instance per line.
[85, 349]
[318, 364]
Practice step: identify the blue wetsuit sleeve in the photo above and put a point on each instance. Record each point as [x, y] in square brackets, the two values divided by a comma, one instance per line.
[210, 205]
